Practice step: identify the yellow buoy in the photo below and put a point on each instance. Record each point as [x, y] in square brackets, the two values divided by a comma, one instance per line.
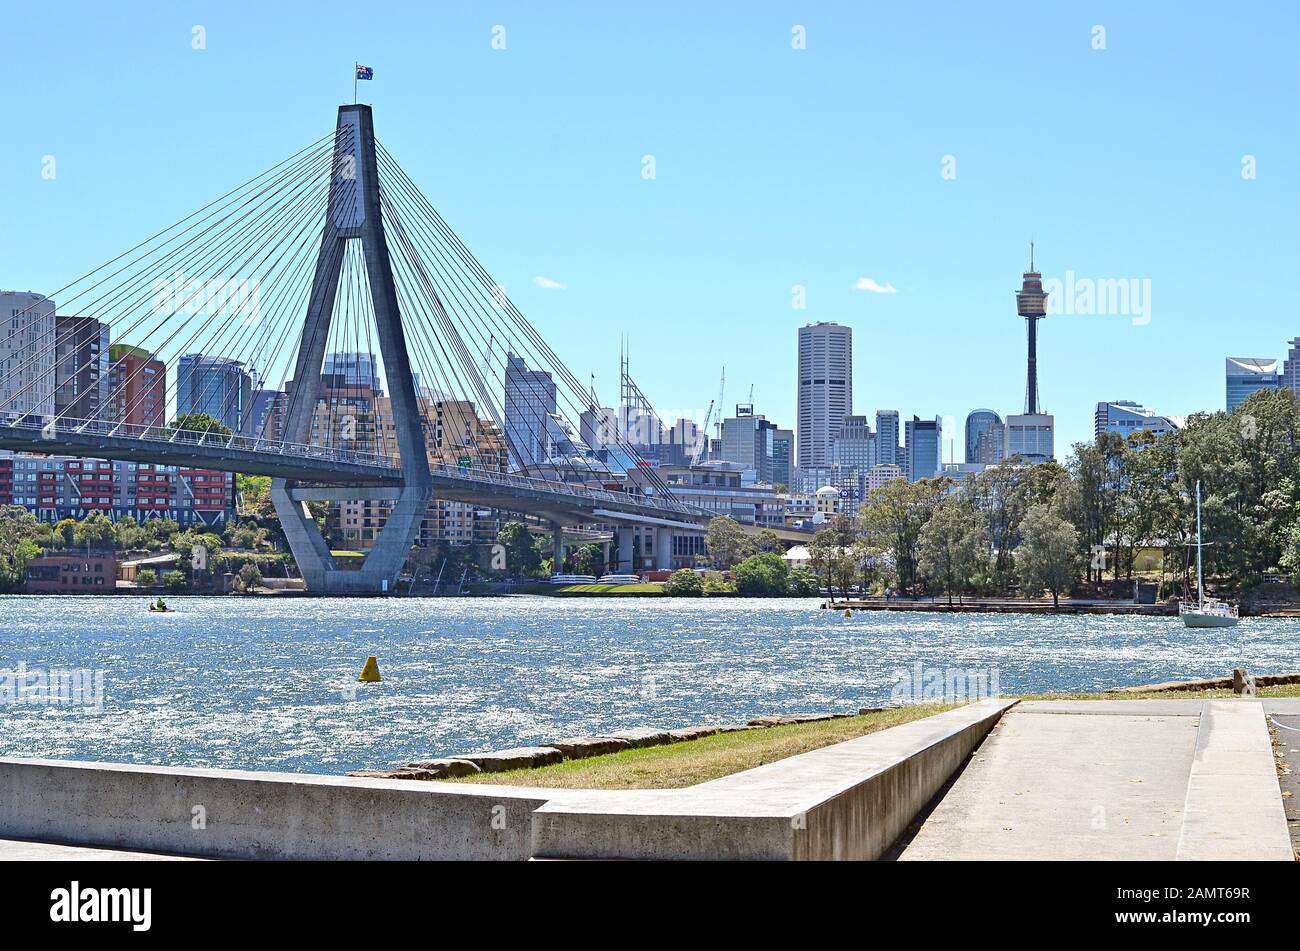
[370, 672]
[848, 613]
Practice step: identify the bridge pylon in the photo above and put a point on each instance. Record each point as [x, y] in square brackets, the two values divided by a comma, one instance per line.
[354, 215]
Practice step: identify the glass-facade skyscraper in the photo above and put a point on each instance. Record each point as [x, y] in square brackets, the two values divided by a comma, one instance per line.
[1246, 375]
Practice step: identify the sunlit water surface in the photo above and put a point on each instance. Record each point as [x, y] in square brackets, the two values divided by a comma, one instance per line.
[270, 683]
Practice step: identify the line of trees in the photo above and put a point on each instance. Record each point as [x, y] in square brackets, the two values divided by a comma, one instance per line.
[1052, 528]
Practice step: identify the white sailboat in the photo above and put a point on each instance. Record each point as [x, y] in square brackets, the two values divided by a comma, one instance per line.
[1207, 612]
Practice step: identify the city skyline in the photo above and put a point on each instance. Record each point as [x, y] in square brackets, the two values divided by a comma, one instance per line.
[858, 228]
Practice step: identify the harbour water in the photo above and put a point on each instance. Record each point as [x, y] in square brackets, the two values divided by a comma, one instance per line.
[271, 683]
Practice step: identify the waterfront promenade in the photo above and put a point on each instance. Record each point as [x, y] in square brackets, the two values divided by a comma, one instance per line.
[1182, 779]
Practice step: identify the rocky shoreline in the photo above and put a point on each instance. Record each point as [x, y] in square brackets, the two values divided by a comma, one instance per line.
[580, 747]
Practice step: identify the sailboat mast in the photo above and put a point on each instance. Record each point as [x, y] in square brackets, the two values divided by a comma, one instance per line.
[1200, 586]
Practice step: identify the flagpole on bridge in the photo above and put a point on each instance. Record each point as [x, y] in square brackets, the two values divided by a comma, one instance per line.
[355, 73]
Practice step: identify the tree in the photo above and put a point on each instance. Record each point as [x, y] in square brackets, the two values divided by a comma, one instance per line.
[951, 546]
[1048, 556]
[586, 558]
[19, 530]
[803, 583]
[894, 515]
[200, 423]
[831, 554]
[522, 557]
[65, 531]
[250, 577]
[147, 578]
[684, 583]
[763, 575]
[767, 540]
[726, 542]
[175, 581]
[95, 531]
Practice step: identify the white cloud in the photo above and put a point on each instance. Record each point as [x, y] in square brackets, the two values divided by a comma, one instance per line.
[549, 284]
[867, 284]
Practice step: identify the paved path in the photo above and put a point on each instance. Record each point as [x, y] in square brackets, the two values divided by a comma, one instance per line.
[19, 850]
[1115, 779]
[1284, 723]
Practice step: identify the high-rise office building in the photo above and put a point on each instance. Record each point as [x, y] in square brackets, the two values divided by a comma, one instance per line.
[598, 427]
[783, 457]
[137, 386]
[978, 423]
[217, 386]
[26, 353]
[80, 367]
[353, 371]
[530, 400]
[991, 446]
[1291, 367]
[1126, 417]
[1030, 436]
[854, 444]
[887, 433]
[924, 445]
[825, 382]
[1246, 375]
[747, 441]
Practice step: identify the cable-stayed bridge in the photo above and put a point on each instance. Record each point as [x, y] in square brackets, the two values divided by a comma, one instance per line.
[323, 325]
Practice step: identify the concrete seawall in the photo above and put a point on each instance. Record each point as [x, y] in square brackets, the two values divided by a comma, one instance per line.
[849, 800]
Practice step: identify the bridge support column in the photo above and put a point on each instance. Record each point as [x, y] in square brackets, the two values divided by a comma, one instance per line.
[557, 548]
[624, 565]
[663, 547]
[604, 555]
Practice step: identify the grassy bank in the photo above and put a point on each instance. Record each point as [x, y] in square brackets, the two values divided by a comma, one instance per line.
[648, 588]
[697, 761]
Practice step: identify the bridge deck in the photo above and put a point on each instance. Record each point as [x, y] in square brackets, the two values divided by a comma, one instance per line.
[564, 501]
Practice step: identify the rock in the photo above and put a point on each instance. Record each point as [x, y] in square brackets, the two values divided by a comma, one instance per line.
[692, 733]
[446, 768]
[403, 772]
[735, 727]
[788, 718]
[640, 736]
[863, 711]
[1243, 684]
[521, 757]
[580, 747]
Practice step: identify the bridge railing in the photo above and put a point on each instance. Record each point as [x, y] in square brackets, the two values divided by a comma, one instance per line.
[528, 483]
[44, 428]
[52, 429]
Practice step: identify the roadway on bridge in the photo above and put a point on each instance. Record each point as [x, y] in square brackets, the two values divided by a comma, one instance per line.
[1116, 779]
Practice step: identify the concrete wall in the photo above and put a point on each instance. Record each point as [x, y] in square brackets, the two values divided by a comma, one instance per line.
[846, 801]
[252, 815]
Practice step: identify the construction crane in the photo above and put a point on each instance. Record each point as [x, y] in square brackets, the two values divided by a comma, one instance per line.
[702, 438]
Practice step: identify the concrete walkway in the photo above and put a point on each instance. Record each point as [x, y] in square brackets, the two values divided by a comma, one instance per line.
[20, 850]
[1115, 779]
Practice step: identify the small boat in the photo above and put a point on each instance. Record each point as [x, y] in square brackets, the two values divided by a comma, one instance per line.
[160, 607]
[1207, 612]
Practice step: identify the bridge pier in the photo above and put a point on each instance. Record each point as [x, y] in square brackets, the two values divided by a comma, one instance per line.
[624, 565]
[354, 213]
[557, 548]
[663, 547]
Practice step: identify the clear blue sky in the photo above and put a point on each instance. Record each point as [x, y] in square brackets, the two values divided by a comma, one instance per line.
[775, 167]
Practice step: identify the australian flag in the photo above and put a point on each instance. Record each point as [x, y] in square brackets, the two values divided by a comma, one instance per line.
[365, 72]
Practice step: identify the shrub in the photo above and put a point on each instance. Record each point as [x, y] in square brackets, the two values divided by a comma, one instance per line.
[803, 583]
[765, 575]
[684, 583]
[175, 581]
[718, 584]
[147, 578]
[249, 577]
